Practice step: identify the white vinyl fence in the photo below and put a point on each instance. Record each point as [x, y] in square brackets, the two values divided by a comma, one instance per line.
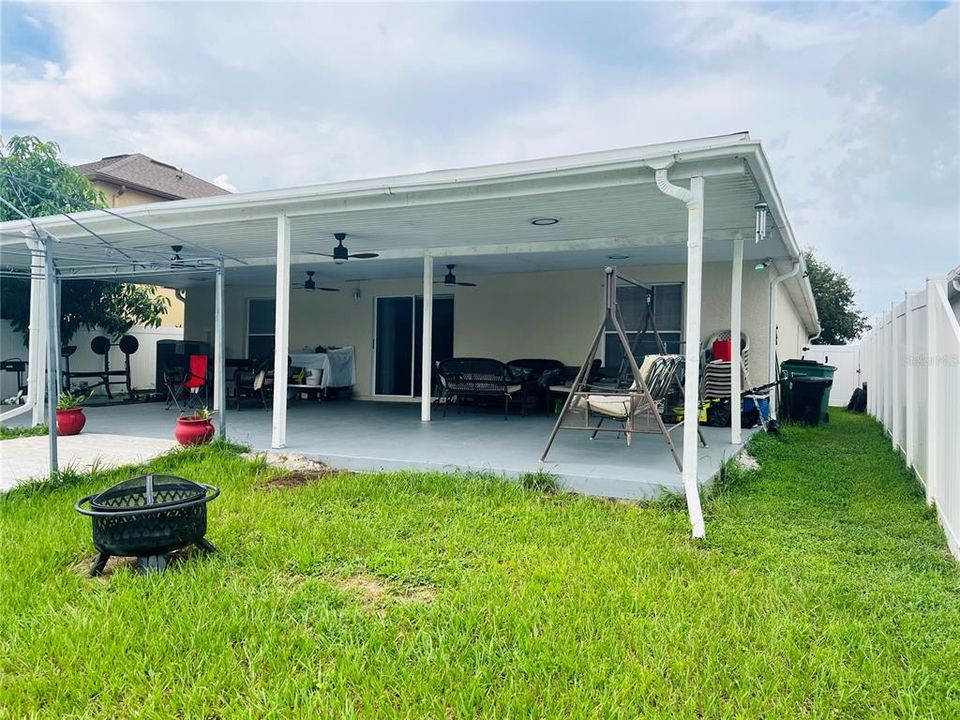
[911, 364]
[143, 363]
[846, 359]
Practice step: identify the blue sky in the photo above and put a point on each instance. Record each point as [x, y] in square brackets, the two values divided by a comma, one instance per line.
[857, 104]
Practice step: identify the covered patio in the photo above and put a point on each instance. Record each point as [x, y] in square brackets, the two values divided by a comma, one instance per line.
[683, 211]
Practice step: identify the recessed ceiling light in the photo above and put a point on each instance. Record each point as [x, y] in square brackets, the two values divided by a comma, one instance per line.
[618, 257]
[544, 221]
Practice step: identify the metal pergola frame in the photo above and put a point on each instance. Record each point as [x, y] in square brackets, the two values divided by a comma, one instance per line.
[52, 262]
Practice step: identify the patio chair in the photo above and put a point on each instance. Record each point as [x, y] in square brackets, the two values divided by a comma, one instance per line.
[478, 378]
[255, 383]
[192, 380]
[538, 374]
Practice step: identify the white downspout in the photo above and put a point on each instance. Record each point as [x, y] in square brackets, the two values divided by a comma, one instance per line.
[693, 198]
[772, 346]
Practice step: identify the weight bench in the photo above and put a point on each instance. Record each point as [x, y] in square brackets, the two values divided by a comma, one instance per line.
[101, 345]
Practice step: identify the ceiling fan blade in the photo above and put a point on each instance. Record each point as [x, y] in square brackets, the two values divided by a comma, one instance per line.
[466, 284]
[364, 256]
[323, 289]
[311, 252]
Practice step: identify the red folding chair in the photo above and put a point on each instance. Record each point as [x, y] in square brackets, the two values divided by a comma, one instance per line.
[194, 379]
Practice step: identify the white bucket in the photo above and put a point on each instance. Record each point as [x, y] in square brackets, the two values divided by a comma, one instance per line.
[313, 376]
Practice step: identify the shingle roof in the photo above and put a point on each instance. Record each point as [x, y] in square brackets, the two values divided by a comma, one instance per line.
[144, 173]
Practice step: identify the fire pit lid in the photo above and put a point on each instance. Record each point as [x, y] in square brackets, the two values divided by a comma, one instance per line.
[148, 491]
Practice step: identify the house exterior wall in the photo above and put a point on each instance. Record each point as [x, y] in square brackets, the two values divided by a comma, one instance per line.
[791, 335]
[540, 314]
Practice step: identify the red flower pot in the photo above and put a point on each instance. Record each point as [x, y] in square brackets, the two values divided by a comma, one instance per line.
[193, 430]
[70, 422]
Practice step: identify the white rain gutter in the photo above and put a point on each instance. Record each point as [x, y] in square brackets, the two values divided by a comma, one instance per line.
[772, 347]
[693, 199]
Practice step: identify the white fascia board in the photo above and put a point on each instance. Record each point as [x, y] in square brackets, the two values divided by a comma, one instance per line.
[465, 184]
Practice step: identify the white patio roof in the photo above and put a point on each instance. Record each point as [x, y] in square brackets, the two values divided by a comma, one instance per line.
[605, 202]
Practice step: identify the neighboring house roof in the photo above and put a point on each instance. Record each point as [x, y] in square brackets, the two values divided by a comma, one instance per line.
[139, 172]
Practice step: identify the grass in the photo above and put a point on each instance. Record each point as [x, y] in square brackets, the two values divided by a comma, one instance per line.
[823, 590]
[8, 433]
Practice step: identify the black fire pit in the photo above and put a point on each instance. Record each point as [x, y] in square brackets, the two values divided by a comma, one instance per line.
[148, 517]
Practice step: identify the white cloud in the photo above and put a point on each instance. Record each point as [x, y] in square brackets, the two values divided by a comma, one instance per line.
[856, 104]
[222, 180]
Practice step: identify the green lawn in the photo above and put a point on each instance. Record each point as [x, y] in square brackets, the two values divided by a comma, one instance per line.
[824, 589]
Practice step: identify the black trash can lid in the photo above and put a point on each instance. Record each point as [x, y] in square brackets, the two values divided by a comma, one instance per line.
[148, 490]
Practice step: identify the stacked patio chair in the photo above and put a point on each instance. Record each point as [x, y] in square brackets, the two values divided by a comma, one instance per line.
[715, 377]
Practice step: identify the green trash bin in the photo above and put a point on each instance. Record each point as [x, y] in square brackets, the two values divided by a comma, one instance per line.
[807, 399]
[791, 369]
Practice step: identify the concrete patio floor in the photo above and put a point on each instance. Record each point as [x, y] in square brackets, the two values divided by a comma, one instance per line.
[359, 435]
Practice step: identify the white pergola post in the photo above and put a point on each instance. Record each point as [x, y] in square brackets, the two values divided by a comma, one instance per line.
[282, 329]
[53, 349]
[36, 353]
[220, 356]
[426, 366]
[736, 359]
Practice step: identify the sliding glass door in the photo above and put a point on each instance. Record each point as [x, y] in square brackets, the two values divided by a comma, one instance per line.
[398, 342]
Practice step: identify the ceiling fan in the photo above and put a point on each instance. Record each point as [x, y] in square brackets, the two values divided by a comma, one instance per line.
[451, 279]
[310, 285]
[176, 260]
[341, 254]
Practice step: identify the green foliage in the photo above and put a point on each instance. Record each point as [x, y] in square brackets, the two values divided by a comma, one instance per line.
[840, 318]
[822, 590]
[9, 433]
[541, 482]
[34, 179]
[68, 401]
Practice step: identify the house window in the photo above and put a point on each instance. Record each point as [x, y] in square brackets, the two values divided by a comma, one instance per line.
[667, 307]
[261, 316]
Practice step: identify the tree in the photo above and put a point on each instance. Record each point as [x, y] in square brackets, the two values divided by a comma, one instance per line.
[34, 179]
[840, 318]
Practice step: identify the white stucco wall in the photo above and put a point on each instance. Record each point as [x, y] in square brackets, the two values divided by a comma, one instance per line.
[548, 314]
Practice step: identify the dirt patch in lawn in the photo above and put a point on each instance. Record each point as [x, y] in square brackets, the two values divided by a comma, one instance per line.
[298, 469]
[293, 480]
[374, 592]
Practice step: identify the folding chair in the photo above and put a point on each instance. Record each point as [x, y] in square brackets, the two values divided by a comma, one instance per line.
[194, 378]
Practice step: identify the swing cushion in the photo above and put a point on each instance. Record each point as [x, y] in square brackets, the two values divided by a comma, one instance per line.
[618, 407]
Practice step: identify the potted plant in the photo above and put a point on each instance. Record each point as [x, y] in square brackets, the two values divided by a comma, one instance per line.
[195, 429]
[70, 417]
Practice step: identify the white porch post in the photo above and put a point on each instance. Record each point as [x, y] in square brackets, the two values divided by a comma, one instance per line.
[53, 349]
[426, 366]
[220, 359]
[38, 333]
[281, 328]
[736, 298]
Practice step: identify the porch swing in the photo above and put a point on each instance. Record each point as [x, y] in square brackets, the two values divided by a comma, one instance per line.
[636, 399]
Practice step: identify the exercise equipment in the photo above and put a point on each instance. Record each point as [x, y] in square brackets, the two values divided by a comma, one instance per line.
[101, 345]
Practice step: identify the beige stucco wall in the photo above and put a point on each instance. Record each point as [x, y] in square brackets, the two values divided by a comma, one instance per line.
[549, 314]
[791, 336]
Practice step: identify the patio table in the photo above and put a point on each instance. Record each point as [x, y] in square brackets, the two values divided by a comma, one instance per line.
[338, 366]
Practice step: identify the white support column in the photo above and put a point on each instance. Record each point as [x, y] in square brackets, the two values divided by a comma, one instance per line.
[933, 392]
[736, 298]
[38, 333]
[426, 369]
[691, 385]
[220, 356]
[282, 330]
[53, 348]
